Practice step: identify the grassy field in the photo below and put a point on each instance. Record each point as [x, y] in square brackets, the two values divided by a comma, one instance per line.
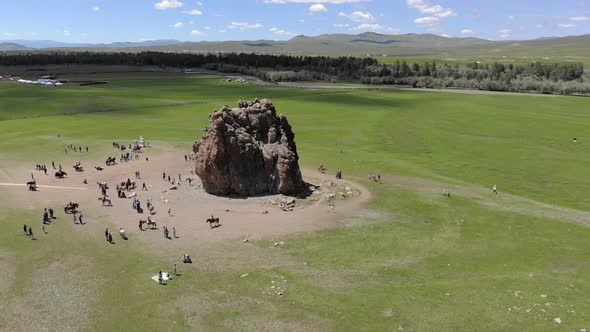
[410, 260]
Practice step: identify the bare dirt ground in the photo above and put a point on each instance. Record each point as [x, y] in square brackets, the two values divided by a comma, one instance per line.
[189, 205]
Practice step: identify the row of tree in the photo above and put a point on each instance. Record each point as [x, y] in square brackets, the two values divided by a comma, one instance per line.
[538, 77]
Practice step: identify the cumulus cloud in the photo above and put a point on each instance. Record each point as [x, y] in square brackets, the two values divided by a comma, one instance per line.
[96, 9]
[425, 7]
[358, 16]
[566, 25]
[196, 33]
[193, 12]
[282, 32]
[435, 12]
[178, 25]
[467, 31]
[317, 8]
[428, 20]
[335, 2]
[244, 25]
[579, 18]
[374, 28]
[168, 4]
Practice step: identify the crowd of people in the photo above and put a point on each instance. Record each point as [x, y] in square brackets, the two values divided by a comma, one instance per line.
[74, 148]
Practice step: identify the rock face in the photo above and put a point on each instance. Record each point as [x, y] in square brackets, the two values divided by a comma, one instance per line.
[248, 151]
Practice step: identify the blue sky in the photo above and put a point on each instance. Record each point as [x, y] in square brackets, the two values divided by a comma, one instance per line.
[190, 20]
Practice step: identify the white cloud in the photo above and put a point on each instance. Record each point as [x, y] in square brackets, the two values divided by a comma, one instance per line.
[358, 16]
[67, 33]
[335, 2]
[467, 31]
[445, 35]
[168, 4]
[207, 28]
[317, 8]
[96, 9]
[222, 31]
[193, 12]
[425, 7]
[282, 32]
[196, 33]
[566, 25]
[428, 20]
[178, 25]
[504, 31]
[579, 18]
[374, 28]
[341, 26]
[244, 25]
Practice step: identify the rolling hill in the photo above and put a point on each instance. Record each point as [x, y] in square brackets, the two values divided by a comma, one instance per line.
[12, 47]
[570, 48]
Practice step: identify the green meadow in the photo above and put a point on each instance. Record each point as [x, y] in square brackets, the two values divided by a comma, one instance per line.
[410, 260]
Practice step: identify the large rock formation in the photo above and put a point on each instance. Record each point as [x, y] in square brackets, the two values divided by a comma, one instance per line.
[248, 151]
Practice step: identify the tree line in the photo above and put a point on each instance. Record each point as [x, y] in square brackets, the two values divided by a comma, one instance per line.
[564, 78]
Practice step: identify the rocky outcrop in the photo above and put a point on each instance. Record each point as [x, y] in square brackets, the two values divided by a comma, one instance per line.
[248, 151]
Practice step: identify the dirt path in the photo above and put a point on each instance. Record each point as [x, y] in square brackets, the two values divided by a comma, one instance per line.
[503, 201]
[314, 85]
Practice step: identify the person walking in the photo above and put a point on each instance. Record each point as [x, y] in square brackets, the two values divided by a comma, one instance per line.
[174, 232]
[25, 229]
[80, 219]
[106, 235]
[74, 218]
[144, 187]
[43, 228]
[31, 233]
[174, 270]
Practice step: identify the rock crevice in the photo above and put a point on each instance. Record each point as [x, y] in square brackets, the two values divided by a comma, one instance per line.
[248, 151]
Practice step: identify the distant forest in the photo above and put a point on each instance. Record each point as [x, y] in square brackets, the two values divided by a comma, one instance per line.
[559, 78]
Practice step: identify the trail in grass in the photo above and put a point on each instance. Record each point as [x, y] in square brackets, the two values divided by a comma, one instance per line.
[485, 197]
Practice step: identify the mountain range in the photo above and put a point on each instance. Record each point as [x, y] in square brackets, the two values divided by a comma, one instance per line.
[570, 48]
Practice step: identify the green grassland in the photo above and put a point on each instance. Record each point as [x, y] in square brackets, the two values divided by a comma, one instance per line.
[411, 259]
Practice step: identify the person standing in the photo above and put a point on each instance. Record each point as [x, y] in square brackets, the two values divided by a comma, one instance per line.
[25, 229]
[43, 228]
[74, 218]
[174, 270]
[31, 233]
[495, 189]
[80, 219]
[106, 235]
[174, 232]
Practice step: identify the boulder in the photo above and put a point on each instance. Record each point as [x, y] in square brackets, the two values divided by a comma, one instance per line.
[248, 151]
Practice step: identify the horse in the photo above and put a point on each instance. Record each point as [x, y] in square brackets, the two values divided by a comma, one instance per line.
[78, 168]
[152, 224]
[70, 208]
[60, 174]
[32, 185]
[322, 169]
[213, 222]
[104, 200]
[111, 161]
